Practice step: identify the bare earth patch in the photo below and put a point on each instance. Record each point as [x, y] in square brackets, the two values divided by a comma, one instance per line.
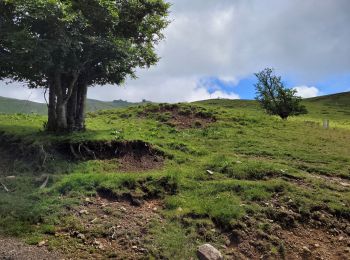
[105, 228]
[128, 155]
[13, 249]
[180, 117]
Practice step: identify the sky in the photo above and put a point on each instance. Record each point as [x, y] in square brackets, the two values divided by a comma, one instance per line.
[213, 48]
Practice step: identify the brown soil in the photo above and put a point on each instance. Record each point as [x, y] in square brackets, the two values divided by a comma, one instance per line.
[180, 119]
[290, 235]
[129, 155]
[302, 242]
[13, 249]
[105, 228]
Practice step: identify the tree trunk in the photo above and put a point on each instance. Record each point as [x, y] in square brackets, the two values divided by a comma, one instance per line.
[51, 123]
[67, 102]
[61, 116]
[72, 109]
[81, 106]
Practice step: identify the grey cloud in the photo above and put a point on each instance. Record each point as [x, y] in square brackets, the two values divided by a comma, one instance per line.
[232, 39]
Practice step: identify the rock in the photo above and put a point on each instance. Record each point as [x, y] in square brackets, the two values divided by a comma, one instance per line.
[179, 209]
[208, 252]
[347, 230]
[306, 250]
[317, 245]
[88, 200]
[93, 221]
[341, 238]
[83, 212]
[210, 172]
[136, 202]
[134, 247]
[42, 243]
[81, 236]
[123, 209]
[155, 209]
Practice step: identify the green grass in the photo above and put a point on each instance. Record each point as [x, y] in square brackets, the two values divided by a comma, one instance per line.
[255, 158]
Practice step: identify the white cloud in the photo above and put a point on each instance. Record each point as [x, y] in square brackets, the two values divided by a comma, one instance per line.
[159, 89]
[307, 92]
[231, 39]
[20, 91]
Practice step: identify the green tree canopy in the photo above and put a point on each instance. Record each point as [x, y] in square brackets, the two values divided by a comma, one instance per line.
[275, 98]
[68, 45]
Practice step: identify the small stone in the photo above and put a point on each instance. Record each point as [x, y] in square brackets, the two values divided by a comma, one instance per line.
[93, 221]
[227, 242]
[83, 212]
[306, 250]
[341, 238]
[42, 243]
[155, 209]
[105, 216]
[88, 200]
[179, 209]
[136, 202]
[134, 247]
[81, 236]
[210, 172]
[208, 252]
[347, 230]
[317, 245]
[123, 209]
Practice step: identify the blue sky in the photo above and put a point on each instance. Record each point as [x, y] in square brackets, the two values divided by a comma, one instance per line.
[213, 48]
[246, 90]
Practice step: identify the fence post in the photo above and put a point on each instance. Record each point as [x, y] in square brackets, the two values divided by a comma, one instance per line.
[326, 123]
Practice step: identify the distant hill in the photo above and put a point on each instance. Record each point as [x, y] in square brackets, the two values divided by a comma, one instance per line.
[325, 105]
[12, 106]
[339, 99]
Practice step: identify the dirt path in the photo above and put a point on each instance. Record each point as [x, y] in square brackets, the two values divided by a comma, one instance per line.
[13, 249]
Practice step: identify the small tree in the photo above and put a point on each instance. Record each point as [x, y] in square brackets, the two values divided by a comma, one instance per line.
[66, 46]
[275, 98]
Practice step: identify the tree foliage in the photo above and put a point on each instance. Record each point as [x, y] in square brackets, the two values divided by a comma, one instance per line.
[68, 45]
[275, 98]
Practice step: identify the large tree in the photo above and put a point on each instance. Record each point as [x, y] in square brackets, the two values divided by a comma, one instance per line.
[275, 98]
[68, 45]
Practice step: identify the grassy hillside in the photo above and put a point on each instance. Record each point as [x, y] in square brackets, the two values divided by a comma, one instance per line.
[156, 181]
[334, 107]
[13, 106]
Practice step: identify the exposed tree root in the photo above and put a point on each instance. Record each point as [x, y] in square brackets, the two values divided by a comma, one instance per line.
[4, 186]
[45, 182]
